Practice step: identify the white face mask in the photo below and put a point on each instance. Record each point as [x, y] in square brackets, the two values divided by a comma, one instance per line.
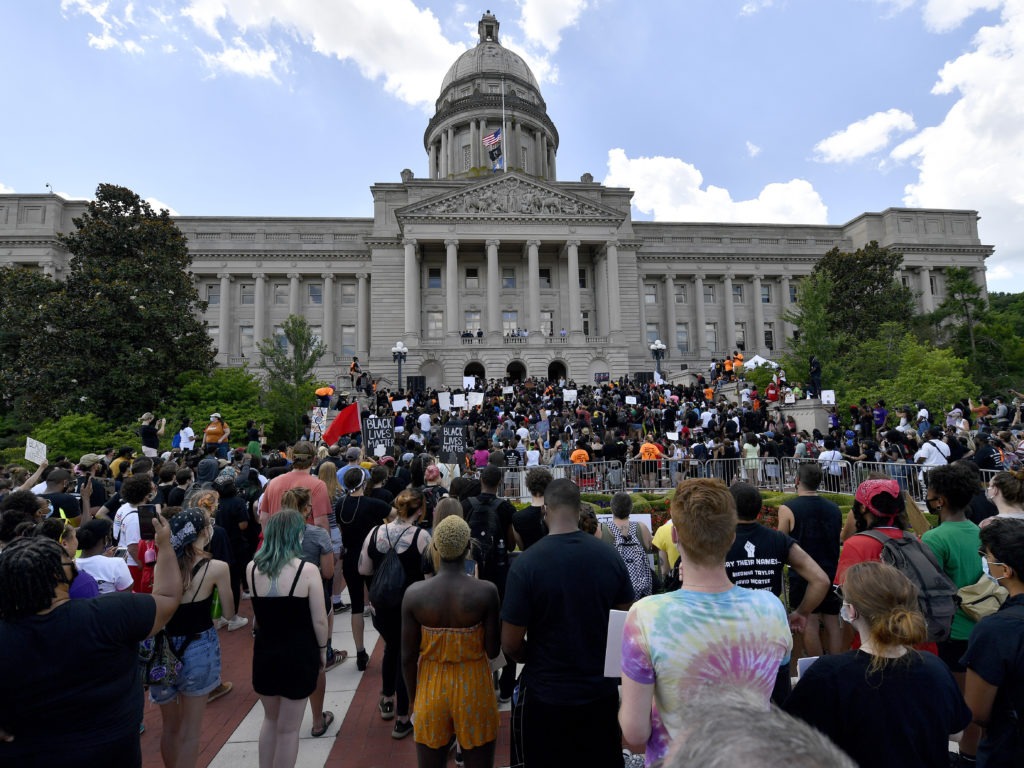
[844, 613]
[984, 570]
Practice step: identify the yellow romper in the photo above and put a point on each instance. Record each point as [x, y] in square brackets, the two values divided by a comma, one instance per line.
[454, 689]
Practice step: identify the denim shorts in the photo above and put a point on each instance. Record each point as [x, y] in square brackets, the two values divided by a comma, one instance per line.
[336, 541]
[200, 669]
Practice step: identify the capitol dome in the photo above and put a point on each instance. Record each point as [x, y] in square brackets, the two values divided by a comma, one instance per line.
[487, 85]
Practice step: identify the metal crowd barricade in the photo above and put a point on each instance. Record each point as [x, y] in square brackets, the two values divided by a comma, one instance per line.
[592, 477]
[653, 474]
[910, 477]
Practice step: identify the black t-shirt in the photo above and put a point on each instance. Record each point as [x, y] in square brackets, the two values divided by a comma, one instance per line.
[149, 437]
[899, 718]
[561, 590]
[756, 558]
[996, 654]
[980, 508]
[817, 523]
[176, 496]
[97, 491]
[63, 501]
[79, 709]
[529, 524]
[987, 457]
[357, 516]
[231, 512]
[383, 494]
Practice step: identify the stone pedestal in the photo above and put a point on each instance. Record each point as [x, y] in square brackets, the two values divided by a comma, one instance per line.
[809, 415]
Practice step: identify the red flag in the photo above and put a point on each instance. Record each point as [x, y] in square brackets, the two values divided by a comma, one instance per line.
[345, 423]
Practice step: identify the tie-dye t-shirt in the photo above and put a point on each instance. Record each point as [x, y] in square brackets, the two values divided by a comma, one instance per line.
[683, 640]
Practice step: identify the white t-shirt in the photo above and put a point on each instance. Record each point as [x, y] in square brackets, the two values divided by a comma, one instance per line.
[934, 452]
[126, 528]
[188, 439]
[111, 573]
[425, 423]
[831, 460]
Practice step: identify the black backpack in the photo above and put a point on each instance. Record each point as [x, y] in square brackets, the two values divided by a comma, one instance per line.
[387, 587]
[937, 597]
[485, 528]
[432, 494]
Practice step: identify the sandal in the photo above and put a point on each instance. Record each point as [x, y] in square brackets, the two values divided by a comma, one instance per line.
[328, 718]
[387, 708]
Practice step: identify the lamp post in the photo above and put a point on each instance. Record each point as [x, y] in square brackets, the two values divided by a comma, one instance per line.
[398, 353]
[658, 353]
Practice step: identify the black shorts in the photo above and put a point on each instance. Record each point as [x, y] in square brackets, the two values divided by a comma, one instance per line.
[798, 588]
[951, 651]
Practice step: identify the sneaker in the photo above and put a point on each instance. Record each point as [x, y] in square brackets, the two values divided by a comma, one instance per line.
[219, 691]
[387, 708]
[334, 658]
[401, 730]
[220, 623]
[504, 699]
[362, 660]
[246, 595]
[237, 623]
[341, 608]
[459, 761]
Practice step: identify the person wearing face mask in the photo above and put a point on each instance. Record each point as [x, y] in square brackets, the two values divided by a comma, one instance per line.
[1006, 491]
[994, 659]
[850, 697]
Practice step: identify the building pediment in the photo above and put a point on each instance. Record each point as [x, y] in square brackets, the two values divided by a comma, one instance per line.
[510, 197]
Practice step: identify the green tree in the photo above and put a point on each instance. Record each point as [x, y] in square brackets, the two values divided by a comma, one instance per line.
[865, 291]
[24, 316]
[812, 317]
[125, 323]
[290, 361]
[235, 393]
[963, 305]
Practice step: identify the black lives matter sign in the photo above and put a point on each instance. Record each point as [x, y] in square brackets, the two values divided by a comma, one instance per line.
[453, 441]
[378, 430]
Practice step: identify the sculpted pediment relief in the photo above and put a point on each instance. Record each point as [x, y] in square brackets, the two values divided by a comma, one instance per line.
[510, 197]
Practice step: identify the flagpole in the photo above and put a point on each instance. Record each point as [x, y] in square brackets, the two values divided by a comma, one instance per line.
[504, 133]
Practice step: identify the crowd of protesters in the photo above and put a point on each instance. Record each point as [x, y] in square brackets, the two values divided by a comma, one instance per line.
[293, 527]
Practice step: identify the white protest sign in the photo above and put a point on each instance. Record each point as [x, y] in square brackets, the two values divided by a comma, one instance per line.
[613, 643]
[828, 397]
[790, 399]
[35, 451]
[444, 401]
[630, 400]
[468, 382]
[399, 405]
[668, 393]
[569, 395]
[506, 390]
[459, 401]
[673, 436]
[475, 398]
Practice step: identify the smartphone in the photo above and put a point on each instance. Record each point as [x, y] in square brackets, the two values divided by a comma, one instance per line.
[147, 531]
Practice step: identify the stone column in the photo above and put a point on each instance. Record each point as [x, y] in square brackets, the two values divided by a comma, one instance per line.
[698, 303]
[669, 337]
[643, 313]
[444, 154]
[979, 278]
[787, 329]
[474, 143]
[758, 329]
[518, 151]
[539, 170]
[552, 175]
[259, 327]
[730, 314]
[927, 300]
[533, 286]
[412, 292]
[451, 280]
[363, 315]
[493, 289]
[328, 298]
[431, 163]
[575, 308]
[453, 166]
[293, 293]
[611, 249]
[224, 337]
[600, 294]
[544, 155]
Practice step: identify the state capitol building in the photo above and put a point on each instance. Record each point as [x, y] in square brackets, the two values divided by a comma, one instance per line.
[509, 274]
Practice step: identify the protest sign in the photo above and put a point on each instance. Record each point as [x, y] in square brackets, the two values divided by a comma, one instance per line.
[630, 400]
[399, 405]
[378, 431]
[459, 401]
[569, 395]
[444, 401]
[35, 451]
[468, 382]
[475, 398]
[453, 441]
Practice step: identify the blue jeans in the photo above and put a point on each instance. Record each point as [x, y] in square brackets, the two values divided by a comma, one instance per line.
[200, 671]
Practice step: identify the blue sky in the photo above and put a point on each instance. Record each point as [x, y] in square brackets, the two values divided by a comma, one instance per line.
[710, 110]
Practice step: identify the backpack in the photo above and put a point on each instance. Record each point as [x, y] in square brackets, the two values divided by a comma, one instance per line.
[432, 494]
[633, 555]
[937, 594]
[387, 587]
[249, 487]
[176, 440]
[485, 528]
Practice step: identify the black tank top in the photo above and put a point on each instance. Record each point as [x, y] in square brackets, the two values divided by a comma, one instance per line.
[195, 616]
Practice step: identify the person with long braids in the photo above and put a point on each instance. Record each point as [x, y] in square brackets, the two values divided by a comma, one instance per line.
[885, 704]
[55, 709]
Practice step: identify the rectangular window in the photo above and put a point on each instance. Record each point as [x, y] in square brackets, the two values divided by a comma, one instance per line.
[793, 294]
[472, 318]
[280, 339]
[583, 278]
[523, 157]
[709, 294]
[653, 334]
[348, 341]
[508, 279]
[683, 337]
[933, 286]
[586, 323]
[741, 335]
[348, 294]
[316, 293]
[467, 158]
[680, 293]
[650, 293]
[769, 336]
[213, 294]
[766, 294]
[547, 322]
[472, 279]
[247, 294]
[906, 281]
[711, 336]
[737, 294]
[246, 341]
[509, 322]
[281, 293]
[545, 278]
[434, 277]
[435, 325]
[215, 337]
[317, 332]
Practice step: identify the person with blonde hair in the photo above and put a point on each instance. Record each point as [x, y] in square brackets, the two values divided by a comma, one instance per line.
[885, 704]
[329, 474]
[450, 630]
[708, 633]
[1006, 491]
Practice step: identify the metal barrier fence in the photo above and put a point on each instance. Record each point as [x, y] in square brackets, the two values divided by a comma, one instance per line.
[592, 477]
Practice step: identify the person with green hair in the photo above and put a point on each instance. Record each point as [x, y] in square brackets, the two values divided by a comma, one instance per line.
[291, 635]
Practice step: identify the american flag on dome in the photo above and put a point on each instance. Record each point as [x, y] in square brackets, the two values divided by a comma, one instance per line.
[492, 138]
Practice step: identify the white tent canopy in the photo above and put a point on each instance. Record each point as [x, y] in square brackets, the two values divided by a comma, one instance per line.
[757, 360]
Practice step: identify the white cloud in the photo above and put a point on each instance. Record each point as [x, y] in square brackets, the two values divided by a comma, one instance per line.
[944, 15]
[974, 158]
[206, 14]
[752, 149]
[240, 58]
[543, 21]
[132, 47]
[158, 205]
[864, 137]
[673, 190]
[751, 7]
[168, 48]
[5, 190]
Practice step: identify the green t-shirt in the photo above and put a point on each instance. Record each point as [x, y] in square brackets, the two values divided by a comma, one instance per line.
[956, 546]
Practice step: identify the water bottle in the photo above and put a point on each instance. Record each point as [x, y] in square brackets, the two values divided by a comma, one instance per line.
[502, 554]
